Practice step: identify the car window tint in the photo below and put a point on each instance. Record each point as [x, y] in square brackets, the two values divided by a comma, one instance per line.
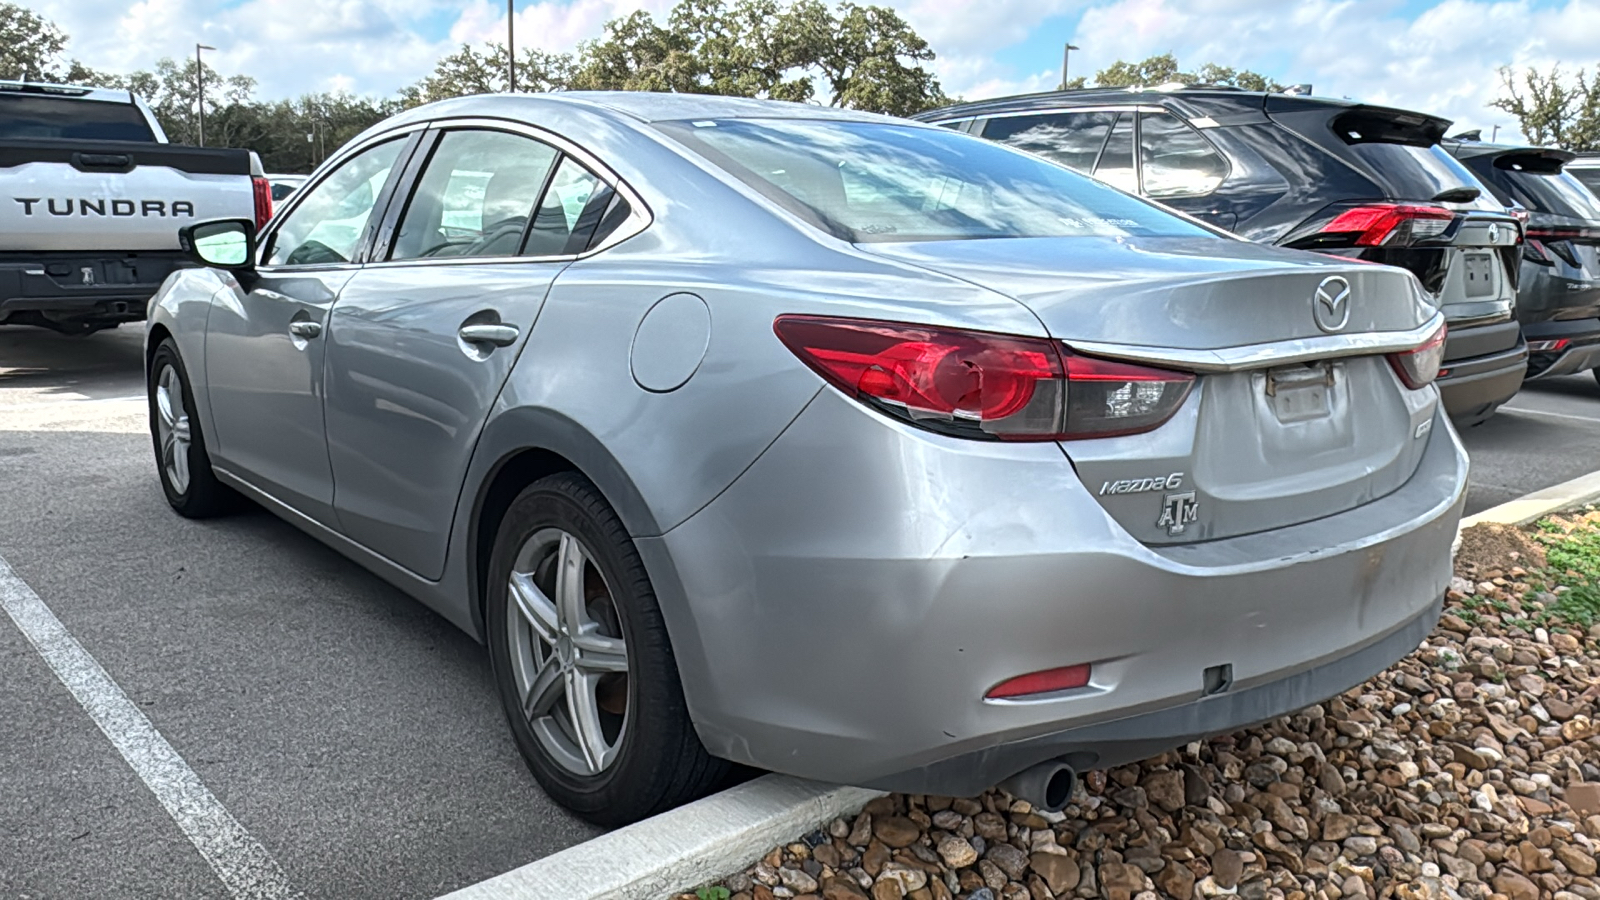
[25, 116]
[327, 224]
[474, 197]
[1589, 176]
[880, 181]
[1177, 160]
[569, 213]
[1072, 139]
[1116, 162]
[1558, 192]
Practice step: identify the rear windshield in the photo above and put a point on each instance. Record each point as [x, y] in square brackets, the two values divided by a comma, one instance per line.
[25, 116]
[870, 182]
[1558, 193]
[1415, 173]
[1590, 176]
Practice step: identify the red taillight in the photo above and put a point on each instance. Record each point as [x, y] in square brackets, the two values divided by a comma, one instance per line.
[1555, 346]
[982, 385]
[1048, 681]
[1418, 368]
[263, 196]
[1390, 223]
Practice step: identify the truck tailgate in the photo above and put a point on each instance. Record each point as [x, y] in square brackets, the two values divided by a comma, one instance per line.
[115, 196]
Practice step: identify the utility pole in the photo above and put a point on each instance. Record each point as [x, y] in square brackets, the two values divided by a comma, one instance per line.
[511, 43]
[200, 88]
[1066, 57]
[1494, 134]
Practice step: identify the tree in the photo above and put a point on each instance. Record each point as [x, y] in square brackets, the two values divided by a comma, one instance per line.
[32, 48]
[1551, 111]
[1164, 68]
[867, 57]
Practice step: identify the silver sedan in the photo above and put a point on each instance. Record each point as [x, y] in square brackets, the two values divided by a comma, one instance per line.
[842, 446]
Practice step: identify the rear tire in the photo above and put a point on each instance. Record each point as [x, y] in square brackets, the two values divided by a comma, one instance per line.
[582, 622]
[182, 462]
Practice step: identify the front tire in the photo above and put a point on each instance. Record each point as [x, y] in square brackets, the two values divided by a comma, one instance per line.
[181, 458]
[582, 661]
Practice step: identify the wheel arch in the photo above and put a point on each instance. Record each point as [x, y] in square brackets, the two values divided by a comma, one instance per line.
[519, 447]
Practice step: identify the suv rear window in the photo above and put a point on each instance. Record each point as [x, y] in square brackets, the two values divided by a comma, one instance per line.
[1415, 173]
[1589, 175]
[867, 181]
[1559, 193]
[24, 116]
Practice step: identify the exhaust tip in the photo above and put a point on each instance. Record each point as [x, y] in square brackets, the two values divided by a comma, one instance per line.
[1048, 785]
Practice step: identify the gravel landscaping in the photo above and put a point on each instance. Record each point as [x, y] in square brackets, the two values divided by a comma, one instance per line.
[1470, 769]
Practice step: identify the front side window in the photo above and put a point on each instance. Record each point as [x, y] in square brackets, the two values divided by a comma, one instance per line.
[327, 225]
[1177, 160]
[1072, 139]
[474, 197]
[870, 181]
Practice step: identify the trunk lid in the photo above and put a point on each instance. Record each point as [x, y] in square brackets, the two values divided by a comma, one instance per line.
[1270, 435]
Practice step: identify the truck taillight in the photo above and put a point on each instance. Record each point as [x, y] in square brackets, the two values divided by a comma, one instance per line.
[263, 196]
[1380, 224]
[1418, 368]
[981, 385]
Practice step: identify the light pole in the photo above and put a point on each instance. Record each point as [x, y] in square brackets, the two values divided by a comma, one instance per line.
[200, 88]
[1494, 134]
[1066, 57]
[511, 43]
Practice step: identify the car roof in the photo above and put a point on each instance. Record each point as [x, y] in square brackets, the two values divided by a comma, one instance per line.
[68, 91]
[637, 106]
[1179, 94]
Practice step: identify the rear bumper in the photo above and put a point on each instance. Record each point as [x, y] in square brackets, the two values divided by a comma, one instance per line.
[1579, 354]
[105, 286]
[840, 611]
[1473, 388]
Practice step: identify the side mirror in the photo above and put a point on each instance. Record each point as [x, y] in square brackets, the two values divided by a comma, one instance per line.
[222, 243]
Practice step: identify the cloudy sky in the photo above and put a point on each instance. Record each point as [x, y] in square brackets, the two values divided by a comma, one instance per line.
[1435, 55]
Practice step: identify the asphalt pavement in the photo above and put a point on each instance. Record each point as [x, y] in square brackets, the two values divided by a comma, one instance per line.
[350, 731]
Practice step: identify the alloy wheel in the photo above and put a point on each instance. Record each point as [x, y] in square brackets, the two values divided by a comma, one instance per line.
[172, 428]
[568, 653]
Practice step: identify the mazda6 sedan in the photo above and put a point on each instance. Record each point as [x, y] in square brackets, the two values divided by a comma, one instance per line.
[821, 442]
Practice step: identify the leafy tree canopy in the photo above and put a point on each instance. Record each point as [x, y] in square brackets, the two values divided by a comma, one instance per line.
[1163, 69]
[1552, 109]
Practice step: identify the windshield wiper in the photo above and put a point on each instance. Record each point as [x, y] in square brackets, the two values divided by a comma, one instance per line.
[1457, 195]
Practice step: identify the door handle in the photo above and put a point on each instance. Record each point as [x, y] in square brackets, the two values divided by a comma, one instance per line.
[498, 335]
[305, 328]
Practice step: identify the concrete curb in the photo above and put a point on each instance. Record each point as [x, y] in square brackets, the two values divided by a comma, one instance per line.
[680, 848]
[1539, 504]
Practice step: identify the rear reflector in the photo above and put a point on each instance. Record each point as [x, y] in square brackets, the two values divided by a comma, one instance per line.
[1048, 681]
[262, 189]
[1548, 346]
[1378, 224]
[980, 385]
[1418, 368]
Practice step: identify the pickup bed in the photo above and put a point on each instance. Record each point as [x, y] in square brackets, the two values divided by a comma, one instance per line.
[91, 200]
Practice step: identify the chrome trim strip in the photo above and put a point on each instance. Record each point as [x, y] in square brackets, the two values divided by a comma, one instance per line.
[1258, 356]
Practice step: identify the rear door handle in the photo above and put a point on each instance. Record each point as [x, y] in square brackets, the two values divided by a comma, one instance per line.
[305, 328]
[498, 335]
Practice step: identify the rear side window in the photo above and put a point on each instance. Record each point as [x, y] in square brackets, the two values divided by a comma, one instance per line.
[1072, 139]
[569, 213]
[474, 197]
[24, 116]
[1177, 161]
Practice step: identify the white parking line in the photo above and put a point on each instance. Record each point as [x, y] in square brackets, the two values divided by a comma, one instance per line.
[245, 867]
[1553, 415]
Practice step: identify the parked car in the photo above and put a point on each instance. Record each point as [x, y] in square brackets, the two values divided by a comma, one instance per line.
[819, 441]
[283, 186]
[1332, 176]
[1558, 301]
[93, 197]
[1586, 168]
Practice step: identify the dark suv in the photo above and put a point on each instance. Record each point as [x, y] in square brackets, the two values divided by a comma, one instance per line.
[1558, 302]
[1327, 175]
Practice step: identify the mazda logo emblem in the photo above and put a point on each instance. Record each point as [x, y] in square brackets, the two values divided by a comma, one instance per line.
[1330, 306]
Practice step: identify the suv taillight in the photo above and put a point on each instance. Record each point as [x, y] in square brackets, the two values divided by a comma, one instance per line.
[262, 189]
[1418, 368]
[1385, 224]
[975, 384]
